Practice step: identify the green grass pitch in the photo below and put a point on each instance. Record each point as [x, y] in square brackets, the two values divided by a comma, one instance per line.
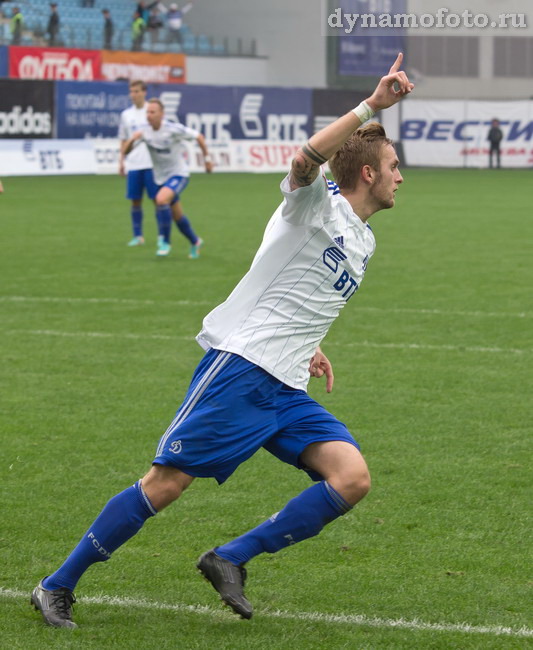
[432, 361]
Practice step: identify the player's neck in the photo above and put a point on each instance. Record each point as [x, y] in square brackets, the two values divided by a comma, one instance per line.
[360, 204]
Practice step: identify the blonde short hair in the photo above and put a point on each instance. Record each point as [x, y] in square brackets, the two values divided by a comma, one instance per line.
[364, 147]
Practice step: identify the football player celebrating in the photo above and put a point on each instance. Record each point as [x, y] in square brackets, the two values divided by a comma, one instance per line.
[249, 390]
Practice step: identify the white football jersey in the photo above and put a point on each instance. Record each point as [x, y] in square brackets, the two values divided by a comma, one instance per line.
[168, 152]
[131, 120]
[313, 257]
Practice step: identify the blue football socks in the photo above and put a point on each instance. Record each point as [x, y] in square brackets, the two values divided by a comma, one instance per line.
[184, 226]
[303, 517]
[121, 518]
[164, 221]
[137, 221]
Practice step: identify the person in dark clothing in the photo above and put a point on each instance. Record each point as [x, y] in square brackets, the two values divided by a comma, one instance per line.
[53, 25]
[495, 137]
[108, 29]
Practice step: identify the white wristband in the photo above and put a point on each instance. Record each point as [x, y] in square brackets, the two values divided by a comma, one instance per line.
[207, 158]
[364, 112]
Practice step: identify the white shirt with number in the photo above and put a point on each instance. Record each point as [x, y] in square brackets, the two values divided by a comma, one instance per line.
[167, 150]
[131, 120]
[313, 257]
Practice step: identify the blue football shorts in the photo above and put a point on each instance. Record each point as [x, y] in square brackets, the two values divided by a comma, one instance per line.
[177, 184]
[233, 408]
[139, 180]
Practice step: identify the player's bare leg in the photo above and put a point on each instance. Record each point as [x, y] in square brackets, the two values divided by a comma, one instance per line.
[342, 466]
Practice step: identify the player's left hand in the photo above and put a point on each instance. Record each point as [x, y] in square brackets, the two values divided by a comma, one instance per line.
[391, 88]
[208, 166]
[319, 366]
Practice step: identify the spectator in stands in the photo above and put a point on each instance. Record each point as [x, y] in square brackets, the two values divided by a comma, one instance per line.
[53, 25]
[15, 26]
[138, 27]
[144, 9]
[175, 22]
[87, 3]
[108, 29]
[495, 138]
[154, 24]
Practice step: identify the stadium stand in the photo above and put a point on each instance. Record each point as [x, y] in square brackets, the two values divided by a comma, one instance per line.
[82, 27]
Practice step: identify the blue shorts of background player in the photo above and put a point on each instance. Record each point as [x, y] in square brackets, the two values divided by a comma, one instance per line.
[139, 181]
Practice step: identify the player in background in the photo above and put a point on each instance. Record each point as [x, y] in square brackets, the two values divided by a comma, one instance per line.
[249, 390]
[165, 142]
[136, 165]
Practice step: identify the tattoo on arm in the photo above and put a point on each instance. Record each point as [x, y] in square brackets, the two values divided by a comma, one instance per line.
[303, 172]
[305, 166]
[312, 153]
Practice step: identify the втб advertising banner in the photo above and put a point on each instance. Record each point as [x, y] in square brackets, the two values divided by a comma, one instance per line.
[90, 108]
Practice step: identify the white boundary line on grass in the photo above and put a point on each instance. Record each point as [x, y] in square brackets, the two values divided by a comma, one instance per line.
[347, 619]
[199, 303]
[361, 344]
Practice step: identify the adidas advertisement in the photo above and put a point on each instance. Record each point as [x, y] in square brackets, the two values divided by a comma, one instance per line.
[26, 109]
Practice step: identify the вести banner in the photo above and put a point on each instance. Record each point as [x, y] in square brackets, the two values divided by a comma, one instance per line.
[453, 133]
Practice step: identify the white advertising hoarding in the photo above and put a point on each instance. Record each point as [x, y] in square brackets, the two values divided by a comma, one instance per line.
[46, 157]
[453, 133]
[101, 156]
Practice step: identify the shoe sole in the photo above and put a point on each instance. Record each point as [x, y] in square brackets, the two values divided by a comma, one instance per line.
[225, 602]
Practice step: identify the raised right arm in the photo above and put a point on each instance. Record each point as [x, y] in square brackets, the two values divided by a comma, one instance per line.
[322, 145]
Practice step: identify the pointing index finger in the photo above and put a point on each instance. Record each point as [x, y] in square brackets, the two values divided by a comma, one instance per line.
[396, 65]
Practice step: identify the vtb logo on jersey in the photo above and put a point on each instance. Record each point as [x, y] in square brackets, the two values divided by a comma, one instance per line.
[332, 257]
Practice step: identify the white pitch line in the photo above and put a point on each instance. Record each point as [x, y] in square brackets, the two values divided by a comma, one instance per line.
[104, 301]
[199, 303]
[333, 619]
[103, 335]
[362, 344]
[424, 346]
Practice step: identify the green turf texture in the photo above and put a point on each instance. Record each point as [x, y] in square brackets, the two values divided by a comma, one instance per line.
[432, 361]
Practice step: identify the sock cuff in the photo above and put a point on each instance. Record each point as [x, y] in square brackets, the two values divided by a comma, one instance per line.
[144, 499]
[337, 501]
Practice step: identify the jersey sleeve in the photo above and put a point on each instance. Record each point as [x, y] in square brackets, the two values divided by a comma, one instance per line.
[305, 205]
[181, 132]
[122, 128]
